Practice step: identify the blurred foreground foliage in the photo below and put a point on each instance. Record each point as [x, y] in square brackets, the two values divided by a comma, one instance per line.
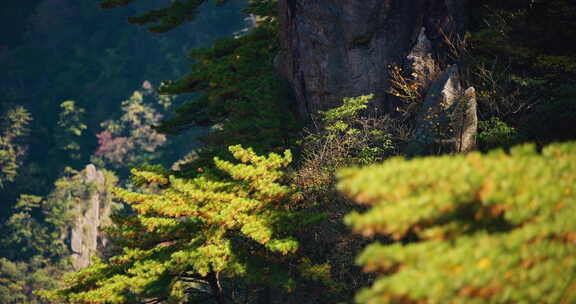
[495, 228]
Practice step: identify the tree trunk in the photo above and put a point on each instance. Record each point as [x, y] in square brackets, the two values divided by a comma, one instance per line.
[264, 295]
[343, 48]
[216, 288]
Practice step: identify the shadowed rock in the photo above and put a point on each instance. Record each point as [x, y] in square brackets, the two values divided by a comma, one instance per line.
[333, 49]
[447, 121]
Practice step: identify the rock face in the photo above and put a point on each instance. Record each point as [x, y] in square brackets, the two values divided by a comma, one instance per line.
[447, 121]
[92, 211]
[467, 123]
[343, 48]
[420, 63]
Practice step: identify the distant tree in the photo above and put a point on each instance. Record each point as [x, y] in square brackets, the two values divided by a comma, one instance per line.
[131, 138]
[474, 228]
[70, 127]
[19, 280]
[91, 56]
[13, 127]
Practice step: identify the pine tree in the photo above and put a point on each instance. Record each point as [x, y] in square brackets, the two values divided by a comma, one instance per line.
[131, 138]
[70, 128]
[191, 238]
[13, 127]
[239, 92]
[474, 228]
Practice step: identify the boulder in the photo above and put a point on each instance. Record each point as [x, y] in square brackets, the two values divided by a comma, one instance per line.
[447, 121]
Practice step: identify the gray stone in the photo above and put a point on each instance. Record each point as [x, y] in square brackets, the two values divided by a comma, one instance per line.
[447, 121]
[467, 123]
[420, 63]
[92, 212]
[343, 48]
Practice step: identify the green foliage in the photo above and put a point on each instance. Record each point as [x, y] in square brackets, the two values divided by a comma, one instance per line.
[131, 138]
[71, 118]
[241, 94]
[495, 133]
[190, 236]
[522, 68]
[166, 18]
[349, 109]
[25, 233]
[13, 127]
[34, 249]
[19, 280]
[319, 272]
[346, 136]
[71, 125]
[476, 228]
[38, 226]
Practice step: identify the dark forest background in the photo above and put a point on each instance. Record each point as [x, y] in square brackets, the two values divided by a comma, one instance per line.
[56, 51]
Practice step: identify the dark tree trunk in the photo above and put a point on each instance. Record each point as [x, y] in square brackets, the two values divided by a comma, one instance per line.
[264, 295]
[343, 48]
[216, 288]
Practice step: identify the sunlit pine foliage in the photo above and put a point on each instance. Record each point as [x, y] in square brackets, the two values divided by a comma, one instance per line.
[188, 236]
[495, 228]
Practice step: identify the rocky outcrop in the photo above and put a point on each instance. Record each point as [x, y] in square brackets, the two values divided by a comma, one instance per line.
[92, 212]
[420, 64]
[447, 121]
[343, 48]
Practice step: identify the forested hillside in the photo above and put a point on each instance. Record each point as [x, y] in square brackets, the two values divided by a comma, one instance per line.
[288, 151]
